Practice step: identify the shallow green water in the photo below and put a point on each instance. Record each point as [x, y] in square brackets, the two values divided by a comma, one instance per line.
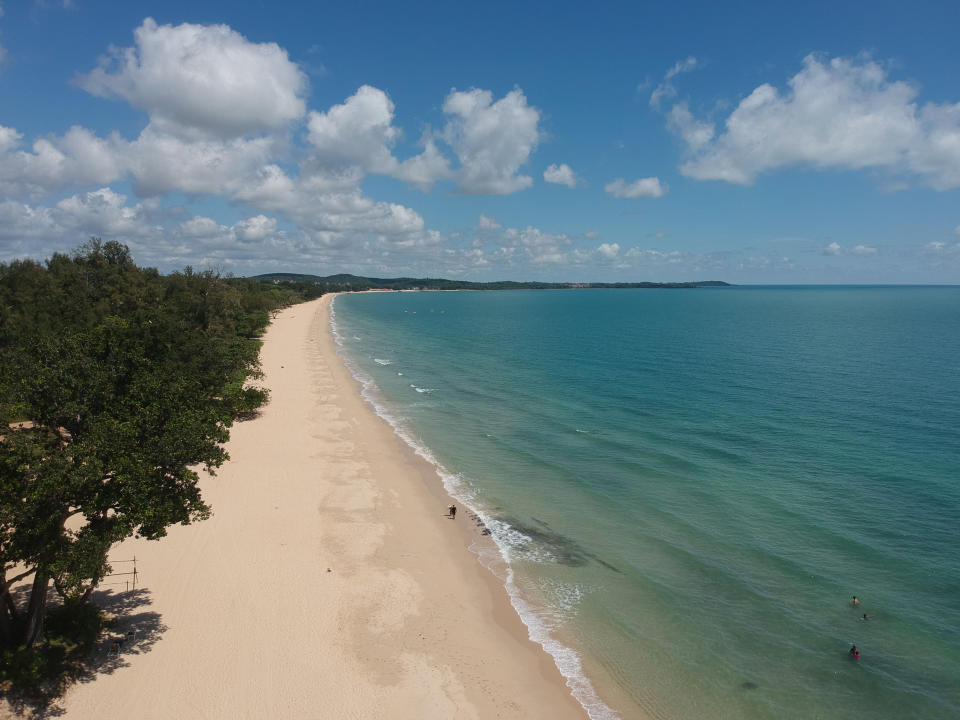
[690, 485]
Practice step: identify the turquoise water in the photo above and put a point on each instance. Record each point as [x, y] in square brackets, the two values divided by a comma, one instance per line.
[690, 485]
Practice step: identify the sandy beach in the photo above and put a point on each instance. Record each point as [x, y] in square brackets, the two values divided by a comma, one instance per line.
[327, 584]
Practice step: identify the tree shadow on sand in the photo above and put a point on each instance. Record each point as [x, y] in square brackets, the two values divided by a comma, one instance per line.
[132, 630]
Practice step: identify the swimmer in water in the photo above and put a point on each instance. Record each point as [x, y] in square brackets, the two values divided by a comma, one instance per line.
[855, 601]
[854, 653]
[865, 617]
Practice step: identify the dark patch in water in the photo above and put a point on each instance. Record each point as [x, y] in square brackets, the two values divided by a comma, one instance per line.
[565, 550]
[749, 685]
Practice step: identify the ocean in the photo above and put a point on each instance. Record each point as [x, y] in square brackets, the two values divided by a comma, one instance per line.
[689, 486]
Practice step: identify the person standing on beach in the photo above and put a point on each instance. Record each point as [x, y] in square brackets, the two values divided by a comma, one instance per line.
[452, 511]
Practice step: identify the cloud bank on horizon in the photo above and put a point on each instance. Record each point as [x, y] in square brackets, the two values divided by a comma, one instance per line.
[230, 123]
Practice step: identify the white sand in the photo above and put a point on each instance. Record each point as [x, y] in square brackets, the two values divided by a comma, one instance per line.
[239, 618]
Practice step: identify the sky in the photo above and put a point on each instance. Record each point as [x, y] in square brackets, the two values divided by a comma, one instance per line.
[751, 142]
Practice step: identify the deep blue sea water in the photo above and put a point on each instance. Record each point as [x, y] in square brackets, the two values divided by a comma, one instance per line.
[690, 485]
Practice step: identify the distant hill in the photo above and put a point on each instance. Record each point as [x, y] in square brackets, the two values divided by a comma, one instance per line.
[356, 282]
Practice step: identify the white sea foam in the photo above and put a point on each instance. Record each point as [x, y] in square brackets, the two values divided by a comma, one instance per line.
[380, 361]
[504, 536]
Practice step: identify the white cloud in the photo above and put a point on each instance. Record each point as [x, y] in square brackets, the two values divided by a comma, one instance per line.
[203, 78]
[487, 223]
[842, 113]
[19, 221]
[423, 170]
[103, 212]
[656, 257]
[491, 140]
[836, 249]
[255, 229]
[224, 115]
[560, 175]
[608, 250]
[666, 90]
[695, 134]
[357, 133]
[9, 139]
[644, 187]
[940, 248]
[201, 227]
[162, 162]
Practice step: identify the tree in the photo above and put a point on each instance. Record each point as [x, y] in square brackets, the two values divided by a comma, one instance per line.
[116, 383]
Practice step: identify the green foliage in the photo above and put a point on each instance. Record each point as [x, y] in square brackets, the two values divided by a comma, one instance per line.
[310, 286]
[116, 383]
[72, 630]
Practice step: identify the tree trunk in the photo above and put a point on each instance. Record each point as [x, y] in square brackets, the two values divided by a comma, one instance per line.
[38, 605]
[6, 622]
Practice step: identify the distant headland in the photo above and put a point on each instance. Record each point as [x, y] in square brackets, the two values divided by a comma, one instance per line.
[346, 283]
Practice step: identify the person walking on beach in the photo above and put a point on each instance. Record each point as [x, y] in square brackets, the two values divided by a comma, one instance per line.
[452, 512]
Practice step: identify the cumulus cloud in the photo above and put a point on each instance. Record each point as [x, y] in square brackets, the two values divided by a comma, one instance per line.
[358, 133]
[487, 223]
[19, 221]
[695, 134]
[425, 169]
[253, 231]
[492, 140]
[160, 163]
[840, 113]
[203, 78]
[223, 121]
[52, 163]
[836, 248]
[608, 250]
[644, 187]
[539, 247]
[956, 230]
[560, 175]
[103, 212]
[939, 248]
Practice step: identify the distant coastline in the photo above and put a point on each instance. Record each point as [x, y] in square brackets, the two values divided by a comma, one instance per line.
[347, 283]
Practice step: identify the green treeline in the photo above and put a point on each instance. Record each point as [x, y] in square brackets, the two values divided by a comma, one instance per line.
[308, 284]
[116, 382]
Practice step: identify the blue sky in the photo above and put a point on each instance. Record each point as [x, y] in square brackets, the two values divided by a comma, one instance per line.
[749, 142]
